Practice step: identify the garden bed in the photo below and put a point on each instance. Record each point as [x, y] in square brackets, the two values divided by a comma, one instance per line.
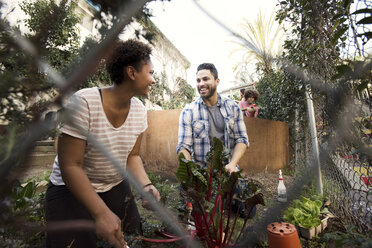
[310, 233]
[151, 222]
[267, 182]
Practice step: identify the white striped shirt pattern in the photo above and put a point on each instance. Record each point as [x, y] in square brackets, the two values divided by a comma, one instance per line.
[87, 112]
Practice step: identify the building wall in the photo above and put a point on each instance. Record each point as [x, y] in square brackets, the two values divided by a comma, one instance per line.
[165, 56]
[168, 57]
[268, 151]
[88, 24]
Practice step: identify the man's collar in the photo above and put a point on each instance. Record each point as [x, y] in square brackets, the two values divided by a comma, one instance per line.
[200, 100]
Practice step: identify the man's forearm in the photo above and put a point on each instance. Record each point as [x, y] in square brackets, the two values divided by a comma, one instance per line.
[238, 152]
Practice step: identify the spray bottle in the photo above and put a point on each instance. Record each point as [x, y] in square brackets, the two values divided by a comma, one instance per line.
[282, 191]
[190, 226]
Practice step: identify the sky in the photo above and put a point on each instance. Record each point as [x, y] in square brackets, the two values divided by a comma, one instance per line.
[199, 38]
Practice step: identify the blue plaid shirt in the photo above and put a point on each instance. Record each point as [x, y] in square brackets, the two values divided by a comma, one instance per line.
[193, 129]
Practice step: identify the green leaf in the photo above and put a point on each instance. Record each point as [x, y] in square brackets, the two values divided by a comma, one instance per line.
[315, 222]
[252, 187]
[335, 17]
[366, 20]
[324, 211]
[318, 204]
[182, 173]
[228, 185]
[195, 172]
[253, 201]
[215, 155]
[29, 190]
[360, 11]
[208, 206]
[342, 70]
[338, 34]
[304, 212]
[347, 3]
[368, 35]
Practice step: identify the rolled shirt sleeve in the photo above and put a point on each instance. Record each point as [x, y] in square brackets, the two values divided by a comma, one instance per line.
[240, 130]
[185, 131]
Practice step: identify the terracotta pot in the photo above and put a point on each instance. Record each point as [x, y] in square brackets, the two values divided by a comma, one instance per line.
[281, 234]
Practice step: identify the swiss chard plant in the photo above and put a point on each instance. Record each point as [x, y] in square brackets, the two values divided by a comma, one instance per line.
[305, 213]
[211, 192]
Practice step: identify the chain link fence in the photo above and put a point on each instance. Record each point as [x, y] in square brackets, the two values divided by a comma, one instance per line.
[346, 146]
[345, 142]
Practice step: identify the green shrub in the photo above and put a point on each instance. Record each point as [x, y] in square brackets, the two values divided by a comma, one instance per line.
[305, 212]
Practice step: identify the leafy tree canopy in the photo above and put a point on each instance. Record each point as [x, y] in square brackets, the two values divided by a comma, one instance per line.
[52, 29]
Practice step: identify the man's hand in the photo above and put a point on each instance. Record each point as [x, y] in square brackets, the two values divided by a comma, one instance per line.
[153, 191]
[231, 167]
[108, 228]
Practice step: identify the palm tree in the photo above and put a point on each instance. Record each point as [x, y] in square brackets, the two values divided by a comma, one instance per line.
[260, 41]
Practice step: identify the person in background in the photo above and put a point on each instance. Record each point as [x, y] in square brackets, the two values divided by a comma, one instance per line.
[211, 115]
[241, 95]
[84, 184]
[250, 108]
[242, 103]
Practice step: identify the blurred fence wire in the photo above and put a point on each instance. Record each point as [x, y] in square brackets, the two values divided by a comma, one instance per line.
[345, 146]
[346, 154]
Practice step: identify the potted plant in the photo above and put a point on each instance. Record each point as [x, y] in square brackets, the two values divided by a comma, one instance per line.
[308, 216]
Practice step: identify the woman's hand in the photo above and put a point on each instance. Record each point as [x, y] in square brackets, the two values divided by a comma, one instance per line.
[108, 228]
[153, 191]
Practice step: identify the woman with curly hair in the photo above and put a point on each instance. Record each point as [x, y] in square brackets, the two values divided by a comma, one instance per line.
[84, 184]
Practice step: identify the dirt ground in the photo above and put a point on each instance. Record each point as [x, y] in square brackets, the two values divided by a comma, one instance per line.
[268, 182]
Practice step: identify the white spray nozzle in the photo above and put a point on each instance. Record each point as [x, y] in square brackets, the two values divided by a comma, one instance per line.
[280, 175]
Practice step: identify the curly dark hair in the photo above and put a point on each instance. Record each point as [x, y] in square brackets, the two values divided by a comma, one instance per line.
[130, 52]
[251, 93]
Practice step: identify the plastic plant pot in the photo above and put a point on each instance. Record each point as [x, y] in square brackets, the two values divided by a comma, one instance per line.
[282, 234]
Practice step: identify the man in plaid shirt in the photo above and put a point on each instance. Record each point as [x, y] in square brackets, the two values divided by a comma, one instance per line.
[211, 115]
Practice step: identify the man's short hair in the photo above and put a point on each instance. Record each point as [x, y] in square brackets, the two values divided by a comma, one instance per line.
[242, 91]
[210, 67]
[127, 53]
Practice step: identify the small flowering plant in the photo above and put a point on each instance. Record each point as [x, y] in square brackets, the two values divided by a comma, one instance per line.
[211, 192]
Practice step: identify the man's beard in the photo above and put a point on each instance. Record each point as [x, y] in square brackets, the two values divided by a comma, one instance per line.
[212, 90]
